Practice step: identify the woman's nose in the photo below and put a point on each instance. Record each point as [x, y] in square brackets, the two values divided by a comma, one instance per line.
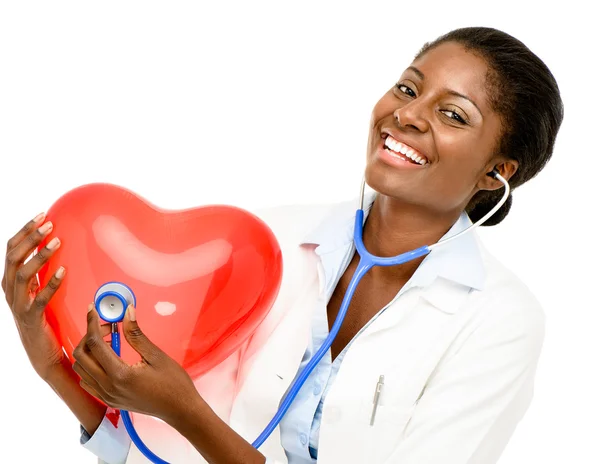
[411, 116]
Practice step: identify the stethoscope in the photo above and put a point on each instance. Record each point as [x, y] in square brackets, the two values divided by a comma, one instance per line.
[113, 298]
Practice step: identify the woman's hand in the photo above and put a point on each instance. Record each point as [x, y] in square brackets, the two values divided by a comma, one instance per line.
[25, 299]
[156, 386]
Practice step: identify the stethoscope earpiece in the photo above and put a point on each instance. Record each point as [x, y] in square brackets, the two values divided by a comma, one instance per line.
[493, 173]
[112, 299]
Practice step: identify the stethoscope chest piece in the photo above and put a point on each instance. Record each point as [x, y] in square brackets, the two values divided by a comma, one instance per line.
[112, 299]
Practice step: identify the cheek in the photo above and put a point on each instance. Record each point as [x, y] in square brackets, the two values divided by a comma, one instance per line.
[461, 150]
[384, 107]
[460, 166]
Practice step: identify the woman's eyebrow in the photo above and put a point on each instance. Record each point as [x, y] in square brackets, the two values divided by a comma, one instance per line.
[421, 76]
[417, 72]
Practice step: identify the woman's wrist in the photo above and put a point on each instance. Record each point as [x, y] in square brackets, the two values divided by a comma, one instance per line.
[65, 383]
[52, 372]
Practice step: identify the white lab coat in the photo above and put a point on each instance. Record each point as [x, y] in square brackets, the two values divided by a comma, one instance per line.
[459, 364]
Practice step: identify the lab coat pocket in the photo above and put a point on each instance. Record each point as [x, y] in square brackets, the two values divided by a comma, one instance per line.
[384, 430]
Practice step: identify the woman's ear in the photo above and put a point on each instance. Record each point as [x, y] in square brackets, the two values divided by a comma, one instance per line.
[506, 169]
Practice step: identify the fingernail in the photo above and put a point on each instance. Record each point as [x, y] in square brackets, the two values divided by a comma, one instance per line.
[90, 307]
[39, 218]
[45, 228]
[60, 273]
[54, 243]
[131, 310]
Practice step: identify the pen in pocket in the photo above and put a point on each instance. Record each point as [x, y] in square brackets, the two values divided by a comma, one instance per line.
[378, 389]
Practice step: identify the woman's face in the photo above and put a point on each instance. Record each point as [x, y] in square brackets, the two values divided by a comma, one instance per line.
[439, 115]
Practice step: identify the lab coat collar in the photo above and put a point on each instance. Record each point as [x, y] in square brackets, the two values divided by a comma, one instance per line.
[448, 270]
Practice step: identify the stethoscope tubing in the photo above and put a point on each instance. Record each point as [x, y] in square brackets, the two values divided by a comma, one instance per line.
[115, 342]
[366, 262]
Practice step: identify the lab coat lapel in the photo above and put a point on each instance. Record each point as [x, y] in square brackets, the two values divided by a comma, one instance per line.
[446, 296]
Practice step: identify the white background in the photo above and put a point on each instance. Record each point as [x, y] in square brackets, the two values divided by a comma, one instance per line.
[266, 103]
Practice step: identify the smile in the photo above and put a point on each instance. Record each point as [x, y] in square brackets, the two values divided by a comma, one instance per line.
[398, 149]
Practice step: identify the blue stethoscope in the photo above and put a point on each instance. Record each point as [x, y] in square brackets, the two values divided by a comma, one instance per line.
[113, 298]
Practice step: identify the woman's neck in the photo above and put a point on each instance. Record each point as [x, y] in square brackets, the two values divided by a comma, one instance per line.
[393, 228]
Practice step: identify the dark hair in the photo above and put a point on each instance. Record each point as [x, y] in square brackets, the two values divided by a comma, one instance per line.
[525, 94]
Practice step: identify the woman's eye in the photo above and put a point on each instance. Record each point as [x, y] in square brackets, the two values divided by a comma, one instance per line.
[454, 115]
[407, 90]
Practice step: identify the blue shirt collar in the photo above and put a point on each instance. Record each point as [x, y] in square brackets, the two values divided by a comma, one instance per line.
[458, 261]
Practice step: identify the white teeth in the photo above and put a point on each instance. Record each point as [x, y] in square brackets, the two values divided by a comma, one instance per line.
[398, 147]
[413, 156]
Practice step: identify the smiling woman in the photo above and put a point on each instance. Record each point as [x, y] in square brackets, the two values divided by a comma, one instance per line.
[435, 360]
[482, 100]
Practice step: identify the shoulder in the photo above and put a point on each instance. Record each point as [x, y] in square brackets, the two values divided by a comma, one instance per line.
[507, 302]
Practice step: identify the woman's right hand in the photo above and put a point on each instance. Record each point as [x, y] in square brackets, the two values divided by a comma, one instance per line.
[26, 300]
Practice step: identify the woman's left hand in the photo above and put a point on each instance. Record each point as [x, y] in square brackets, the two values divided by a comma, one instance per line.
[156, 386]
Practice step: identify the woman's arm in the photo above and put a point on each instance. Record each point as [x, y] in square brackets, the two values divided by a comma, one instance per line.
[28, 302]
[100, 435]
[212, 437]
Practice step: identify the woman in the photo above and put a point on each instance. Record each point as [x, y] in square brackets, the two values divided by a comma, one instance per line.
[451, 340]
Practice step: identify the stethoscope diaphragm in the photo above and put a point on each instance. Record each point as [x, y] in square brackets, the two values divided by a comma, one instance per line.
[112, 299]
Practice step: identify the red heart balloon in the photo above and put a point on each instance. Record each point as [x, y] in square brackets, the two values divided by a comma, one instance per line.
[204, 278]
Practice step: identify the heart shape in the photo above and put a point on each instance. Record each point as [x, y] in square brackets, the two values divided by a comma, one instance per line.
[204, 278]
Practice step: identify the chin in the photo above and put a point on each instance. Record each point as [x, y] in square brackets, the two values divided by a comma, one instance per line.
[393, 184]
[382, 180]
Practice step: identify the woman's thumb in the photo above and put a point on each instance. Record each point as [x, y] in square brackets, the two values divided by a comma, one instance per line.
[136, 338]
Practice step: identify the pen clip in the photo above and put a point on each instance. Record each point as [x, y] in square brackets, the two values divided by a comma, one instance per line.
[376, 397]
